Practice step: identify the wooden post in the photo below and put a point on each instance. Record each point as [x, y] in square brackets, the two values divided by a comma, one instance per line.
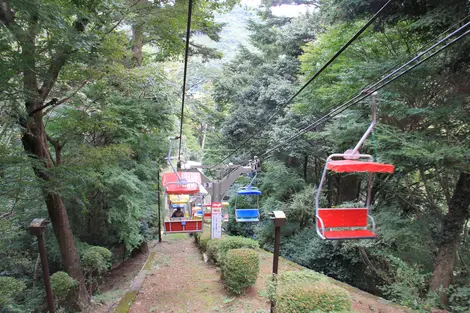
[159, 207]
[279, 219]
[36, 228]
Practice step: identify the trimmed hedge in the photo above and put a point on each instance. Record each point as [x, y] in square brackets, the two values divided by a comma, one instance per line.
[213, 248]
[216, 249]
[240, 269]
[233, 242]
[202, 239]
[62, 284]
[304, 276]
[307, 291]
[97, 259]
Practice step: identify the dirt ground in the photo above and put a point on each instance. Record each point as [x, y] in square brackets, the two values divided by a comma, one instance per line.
[180, 282]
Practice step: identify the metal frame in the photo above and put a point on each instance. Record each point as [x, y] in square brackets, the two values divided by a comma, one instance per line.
[351, 154]
[249, 187]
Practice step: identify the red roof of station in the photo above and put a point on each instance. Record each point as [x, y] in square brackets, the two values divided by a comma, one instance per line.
[190, 187]
[352, 166]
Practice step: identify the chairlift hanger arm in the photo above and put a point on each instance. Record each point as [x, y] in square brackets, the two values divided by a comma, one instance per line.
[227, 181]
[371, 126]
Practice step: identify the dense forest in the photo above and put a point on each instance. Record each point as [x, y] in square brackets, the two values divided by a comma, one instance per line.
[91, 93]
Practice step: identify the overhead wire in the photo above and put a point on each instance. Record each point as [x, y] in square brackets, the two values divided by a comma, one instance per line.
[375, 87]
[325, 66]
[185, 71]
[429, 45]
[401, 60]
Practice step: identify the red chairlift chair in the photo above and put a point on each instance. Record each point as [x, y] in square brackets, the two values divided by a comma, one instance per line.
[349, 223]
[181, 183]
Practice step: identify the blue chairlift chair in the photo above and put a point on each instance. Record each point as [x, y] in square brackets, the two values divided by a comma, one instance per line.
[243, 215]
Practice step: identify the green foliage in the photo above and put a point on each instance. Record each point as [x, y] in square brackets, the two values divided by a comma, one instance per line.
[97, 259]
[280, 181]
[307, 291]
[213, 248]
[233, 242]
[334, 259]
[203, 243]
[300, 208]
[10, 289]
[301, 296]
[303, 276]
[409, 286]
[459, 298]
[240, 269]
[202, 239]
[62, 284]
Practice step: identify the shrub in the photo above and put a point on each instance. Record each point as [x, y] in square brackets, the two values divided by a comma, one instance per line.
[202, 239]
[62, 284]
[305, 276]
[203, 243]
[304, 297]
[459, 298]
[240, 269]
[10, 288]
[197, 236]
[213, 247]
[97, 259]
[409, 286]
[234, 242]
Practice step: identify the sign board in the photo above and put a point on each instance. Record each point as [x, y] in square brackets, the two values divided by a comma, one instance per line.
[216, 224]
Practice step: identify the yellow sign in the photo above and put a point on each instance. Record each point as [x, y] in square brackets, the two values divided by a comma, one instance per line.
[225, 204]
[179, 199]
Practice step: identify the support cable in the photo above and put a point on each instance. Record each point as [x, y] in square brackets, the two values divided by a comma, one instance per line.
[326, 65]
[186, 55]
[375, 87]
[393, 71]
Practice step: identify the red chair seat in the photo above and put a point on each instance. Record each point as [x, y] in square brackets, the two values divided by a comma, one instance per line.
[349, 234]
[330, 219]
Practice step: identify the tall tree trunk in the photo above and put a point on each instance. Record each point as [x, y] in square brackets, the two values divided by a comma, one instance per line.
[35, 144]
[35, 138]
[452, 228]
[305, 167]
[137, 42]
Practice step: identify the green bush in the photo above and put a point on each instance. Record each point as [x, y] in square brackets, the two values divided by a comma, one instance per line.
[234, 242]
[410, 285]
[304, 276]
[202, 239]
[197, 236]
[213, 247]
[97, 259]
[62, 284]
[459, 298]
[10, 288]
[240, 269]
[301, 296]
